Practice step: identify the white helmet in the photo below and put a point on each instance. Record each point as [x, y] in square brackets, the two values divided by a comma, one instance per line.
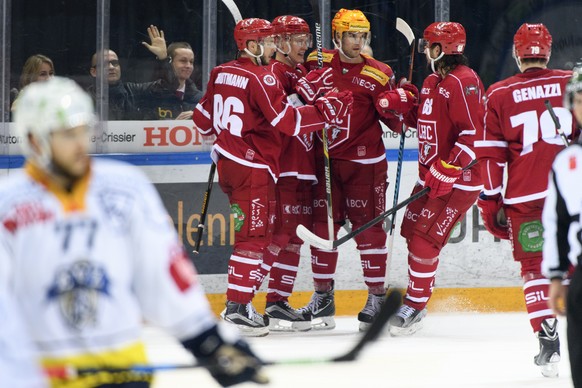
[45, 107]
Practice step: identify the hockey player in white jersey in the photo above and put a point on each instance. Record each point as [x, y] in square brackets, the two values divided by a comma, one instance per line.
[19, 366]
[562, 252]
[89, 251]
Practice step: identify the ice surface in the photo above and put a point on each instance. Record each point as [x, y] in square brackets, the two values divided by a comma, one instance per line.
[452, 350]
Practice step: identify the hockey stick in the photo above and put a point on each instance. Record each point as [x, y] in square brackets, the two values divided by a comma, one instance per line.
[204, 211]
[405, 30]
[236, 15]
[311, 238]
[326, 161]
[556, 122]
[392, 302]
[231, 5]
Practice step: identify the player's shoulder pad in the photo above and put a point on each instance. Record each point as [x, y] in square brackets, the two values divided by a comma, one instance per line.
[327, 56]
[378, 71]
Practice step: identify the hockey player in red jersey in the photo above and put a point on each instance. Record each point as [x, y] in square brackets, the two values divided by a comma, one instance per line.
[297, 175]
[246, 107]
[519, 133]
[449, 114]
[359, 169]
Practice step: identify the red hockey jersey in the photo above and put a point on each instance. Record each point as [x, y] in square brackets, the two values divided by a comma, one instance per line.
[297, 157]
[519, 131]
[360, 139]
[449, 116]
[246, 108]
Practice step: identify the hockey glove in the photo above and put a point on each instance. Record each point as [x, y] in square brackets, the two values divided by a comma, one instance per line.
[440, 178]
[314, 85]
[396, 102]
[229, 363]
[335, 106]
[491, 209]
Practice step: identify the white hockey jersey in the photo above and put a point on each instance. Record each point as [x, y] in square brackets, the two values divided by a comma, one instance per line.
[87, 266]
[561, 215]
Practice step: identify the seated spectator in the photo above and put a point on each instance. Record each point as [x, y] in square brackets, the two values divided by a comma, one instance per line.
[37, 67]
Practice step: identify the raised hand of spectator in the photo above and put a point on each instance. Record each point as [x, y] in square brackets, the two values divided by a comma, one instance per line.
[157, 43]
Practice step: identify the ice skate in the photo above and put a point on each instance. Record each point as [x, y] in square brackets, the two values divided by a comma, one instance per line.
[321, 309]
[407, 321]
[370, 310]
[246, 318]
[283, 317]
[549, 355]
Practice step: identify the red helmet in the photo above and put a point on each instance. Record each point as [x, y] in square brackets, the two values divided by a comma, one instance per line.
[532, 41]
[450, 35]
[289, 25]
[251, 29]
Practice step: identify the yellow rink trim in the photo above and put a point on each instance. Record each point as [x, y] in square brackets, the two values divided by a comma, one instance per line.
[350, 302]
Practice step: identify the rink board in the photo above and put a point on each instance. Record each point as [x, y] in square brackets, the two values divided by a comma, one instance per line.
[476, 272]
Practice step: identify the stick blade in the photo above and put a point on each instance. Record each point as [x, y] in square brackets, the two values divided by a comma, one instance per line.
[232, 7]
[405, 30]
[312, 239]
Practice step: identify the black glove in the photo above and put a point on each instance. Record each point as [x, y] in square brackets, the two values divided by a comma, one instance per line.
[228, 363]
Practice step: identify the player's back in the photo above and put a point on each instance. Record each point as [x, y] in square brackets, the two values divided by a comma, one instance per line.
[245, 100]
[516, 113]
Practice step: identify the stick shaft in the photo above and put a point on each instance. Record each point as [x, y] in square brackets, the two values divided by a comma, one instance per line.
[326, 159]
[556, 122]
[204, 211]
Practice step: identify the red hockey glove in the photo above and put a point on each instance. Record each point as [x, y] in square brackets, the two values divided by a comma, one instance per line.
[491, 210]
[412, 89]
[335, 106]
[395, 102]
[314, 85]
[440, 179]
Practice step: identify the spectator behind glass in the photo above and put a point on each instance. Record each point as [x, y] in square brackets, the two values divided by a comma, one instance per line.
[175, 94]
[37, 67]
[125, 98]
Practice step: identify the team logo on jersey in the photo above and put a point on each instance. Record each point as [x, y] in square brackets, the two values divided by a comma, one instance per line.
[116, 205]
[531, 236]
[77, 288]
[239, 216]
[427, 139]
[268, 79]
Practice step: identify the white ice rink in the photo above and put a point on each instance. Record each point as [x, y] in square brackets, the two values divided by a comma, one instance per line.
[452, 350]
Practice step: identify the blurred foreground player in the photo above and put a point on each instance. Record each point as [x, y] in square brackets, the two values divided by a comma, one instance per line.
[87, 249]
[563, 233]
[519, 133]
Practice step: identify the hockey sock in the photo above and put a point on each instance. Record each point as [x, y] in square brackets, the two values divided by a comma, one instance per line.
[422, 273]
[283, 274]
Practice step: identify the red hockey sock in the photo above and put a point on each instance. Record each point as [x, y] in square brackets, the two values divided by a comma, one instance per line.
[422, 273]
[283, 274]
[323, 265]
[374, 269]
[536, 295]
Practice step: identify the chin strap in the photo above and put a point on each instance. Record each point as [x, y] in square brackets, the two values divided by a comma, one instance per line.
[433, 60]
[257, 57]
